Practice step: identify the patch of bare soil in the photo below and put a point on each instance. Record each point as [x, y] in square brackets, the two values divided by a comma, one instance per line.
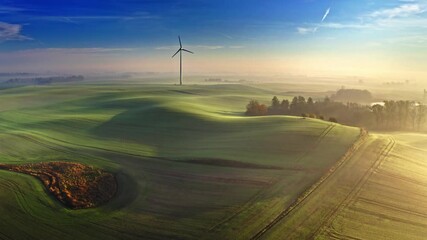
[75, 185]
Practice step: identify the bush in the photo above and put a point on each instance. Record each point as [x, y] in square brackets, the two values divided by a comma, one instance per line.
[332, 119]
[311, 115]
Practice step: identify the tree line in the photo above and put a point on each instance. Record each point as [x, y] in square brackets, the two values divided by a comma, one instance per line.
[43, 80]
[400, 114]
[388, 115]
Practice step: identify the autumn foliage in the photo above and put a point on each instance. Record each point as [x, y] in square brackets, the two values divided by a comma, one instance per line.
[254, 108]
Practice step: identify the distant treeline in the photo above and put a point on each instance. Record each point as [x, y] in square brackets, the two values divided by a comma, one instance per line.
[389, 115]
[218, 80]
[14, 74]
[352, 95]
[43, 80]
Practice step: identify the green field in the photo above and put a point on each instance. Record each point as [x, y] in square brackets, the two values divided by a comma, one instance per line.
[188, 163]
[377, 194]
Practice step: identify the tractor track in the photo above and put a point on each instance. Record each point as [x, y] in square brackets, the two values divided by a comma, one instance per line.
[306, 194]
[352, 195]
[321, 136]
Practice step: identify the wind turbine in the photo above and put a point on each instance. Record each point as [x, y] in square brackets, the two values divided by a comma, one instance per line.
[180, 58]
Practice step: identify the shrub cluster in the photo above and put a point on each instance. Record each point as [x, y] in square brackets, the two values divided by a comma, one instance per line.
[74, 184]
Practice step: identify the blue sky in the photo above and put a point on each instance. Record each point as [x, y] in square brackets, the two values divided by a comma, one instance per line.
[365, 37]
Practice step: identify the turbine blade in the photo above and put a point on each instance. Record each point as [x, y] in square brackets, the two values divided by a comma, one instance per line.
[187, 51]
[176, 52]
[180, 44]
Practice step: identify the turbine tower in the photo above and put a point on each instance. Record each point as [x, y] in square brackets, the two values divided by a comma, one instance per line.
[180, 58]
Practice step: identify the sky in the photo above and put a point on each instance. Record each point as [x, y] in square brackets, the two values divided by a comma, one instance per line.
[374, 39]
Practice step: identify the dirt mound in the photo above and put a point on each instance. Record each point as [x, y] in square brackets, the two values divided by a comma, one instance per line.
[75, 185]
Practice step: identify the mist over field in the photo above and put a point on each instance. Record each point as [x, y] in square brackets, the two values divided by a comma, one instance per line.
[223, 119]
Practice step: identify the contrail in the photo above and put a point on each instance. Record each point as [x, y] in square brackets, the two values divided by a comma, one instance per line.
[326, 14]
[314, 29]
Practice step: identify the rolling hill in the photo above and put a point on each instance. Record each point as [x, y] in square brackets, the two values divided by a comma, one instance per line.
[187, 162]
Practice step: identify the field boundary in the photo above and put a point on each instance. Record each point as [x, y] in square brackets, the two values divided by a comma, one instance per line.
[347, 155]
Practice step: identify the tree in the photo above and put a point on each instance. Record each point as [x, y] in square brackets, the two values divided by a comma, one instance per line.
[294, 105]
[378, 111]
[275, 106]
[310, 105]
[301, 102]
[254, 108]
[284, 106]
[301, 99]
[391, 113]
[421, 115]
[275, 103]
[403, 108]
[298, 105]
[413, 115]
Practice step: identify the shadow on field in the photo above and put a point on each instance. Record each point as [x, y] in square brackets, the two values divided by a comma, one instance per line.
[184, 92]
[157, 126]
[127, 192]
[229, 163]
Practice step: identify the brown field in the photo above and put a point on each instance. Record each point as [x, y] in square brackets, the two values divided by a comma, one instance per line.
[75, 185]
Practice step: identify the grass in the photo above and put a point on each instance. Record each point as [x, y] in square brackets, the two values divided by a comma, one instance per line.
[188, 164]
[377, 194]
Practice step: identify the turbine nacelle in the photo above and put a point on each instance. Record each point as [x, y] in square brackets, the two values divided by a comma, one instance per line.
[181, 49]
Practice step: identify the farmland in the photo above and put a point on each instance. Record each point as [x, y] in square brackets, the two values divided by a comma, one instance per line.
[376, 194]
[187, 162]
[213, 120]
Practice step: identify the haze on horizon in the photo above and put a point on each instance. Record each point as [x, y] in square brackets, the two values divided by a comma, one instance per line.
[367, 38]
